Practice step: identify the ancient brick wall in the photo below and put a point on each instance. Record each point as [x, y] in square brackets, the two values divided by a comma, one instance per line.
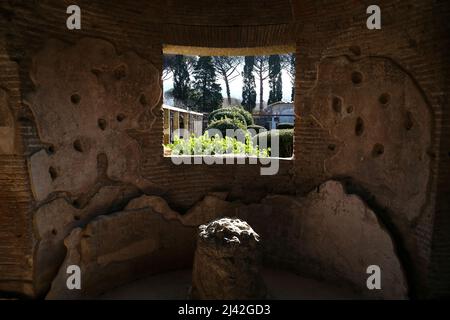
[413, 36]
[408, 52]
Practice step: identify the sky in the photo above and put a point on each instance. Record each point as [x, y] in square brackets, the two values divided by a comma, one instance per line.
[237, 83]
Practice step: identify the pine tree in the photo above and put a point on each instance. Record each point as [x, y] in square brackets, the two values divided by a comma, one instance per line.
[261, 71]
[290, 68]
[275, 81]
[168, 62]
[226, 67]
[248, 90]
[181, 81]
[207, 94]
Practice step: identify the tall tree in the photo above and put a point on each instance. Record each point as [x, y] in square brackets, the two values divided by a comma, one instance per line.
[275, 81]
[288, 63]
[168, 63]
[248, 90]
[181, 81]
[226, 68]
[261, 70]
[207, 94]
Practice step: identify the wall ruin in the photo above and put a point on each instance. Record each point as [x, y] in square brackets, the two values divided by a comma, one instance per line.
[88, 102]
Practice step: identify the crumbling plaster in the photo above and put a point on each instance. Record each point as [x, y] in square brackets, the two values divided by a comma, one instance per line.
[327, 234]
[119, 97]
[87, 99]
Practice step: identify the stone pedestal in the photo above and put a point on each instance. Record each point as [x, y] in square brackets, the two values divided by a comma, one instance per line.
[227, 262]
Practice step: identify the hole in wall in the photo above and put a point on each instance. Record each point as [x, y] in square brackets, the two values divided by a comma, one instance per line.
[75, 98]
[77, 145]
[384, 98]
[54, 232]
[50, 149]
[76, 203]
[143, 100]
[409, 121]
[349, 109]
[120, 117]
[53, 173]
[337, 104]
[76, 217]
[378, 150]
[359, 127]
[357, 77]
[331, 147]
[101, 124]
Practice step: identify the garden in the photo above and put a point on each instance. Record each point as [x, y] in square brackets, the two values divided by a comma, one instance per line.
[231, 130]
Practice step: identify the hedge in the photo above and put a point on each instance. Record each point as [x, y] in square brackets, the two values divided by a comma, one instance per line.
[231, 112]
[224, 124]
[286, 140]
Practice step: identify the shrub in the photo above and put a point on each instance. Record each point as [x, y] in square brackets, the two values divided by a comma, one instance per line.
[226, 123]
[285, 125]
[225, 113]
[247, 115]
[256, 128]
[286, 140]
[231, 112]
[206, 145]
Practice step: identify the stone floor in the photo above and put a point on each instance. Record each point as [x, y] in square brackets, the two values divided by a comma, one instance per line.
[280, 284]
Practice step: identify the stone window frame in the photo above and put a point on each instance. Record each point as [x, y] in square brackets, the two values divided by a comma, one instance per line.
[237, 51]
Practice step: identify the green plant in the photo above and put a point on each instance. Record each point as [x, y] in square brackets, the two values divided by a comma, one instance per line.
[225, 113]
[285, 125]
[286, 140]
[223, 124]
[206, 145]
[234, 112]
[247, 115]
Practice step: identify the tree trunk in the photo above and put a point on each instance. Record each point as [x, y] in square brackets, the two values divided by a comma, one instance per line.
[227, 85]
[260, 89]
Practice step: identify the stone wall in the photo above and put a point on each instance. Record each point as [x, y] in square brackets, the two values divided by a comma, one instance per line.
[372, 111]
[327, 234]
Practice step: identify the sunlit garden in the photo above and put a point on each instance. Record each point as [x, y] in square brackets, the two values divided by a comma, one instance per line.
[229, 105]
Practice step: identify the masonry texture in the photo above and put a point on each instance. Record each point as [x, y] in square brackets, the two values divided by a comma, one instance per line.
[81, 130]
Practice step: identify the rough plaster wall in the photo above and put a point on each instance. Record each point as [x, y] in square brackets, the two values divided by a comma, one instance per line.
[111, 160]
[118, 248]
[327, 234]
[331, 235]
[379, 130]
[87, 99]
[64, 217]
[366, 122]
[413, 35]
